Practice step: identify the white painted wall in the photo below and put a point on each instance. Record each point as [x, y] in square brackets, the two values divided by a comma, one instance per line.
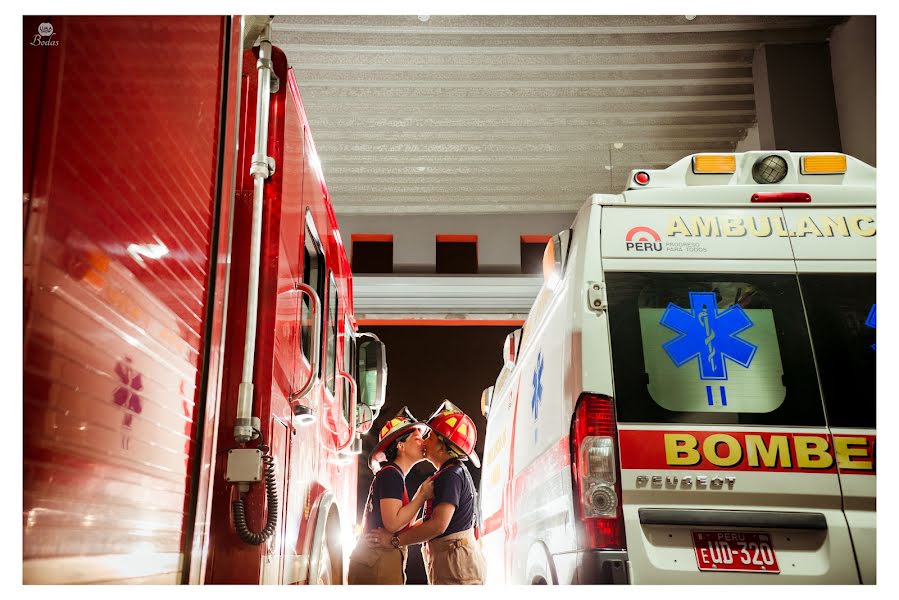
[750, 141]
[853, 56]
[414, 237]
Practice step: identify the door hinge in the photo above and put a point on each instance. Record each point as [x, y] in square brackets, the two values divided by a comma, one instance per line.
[596, 296]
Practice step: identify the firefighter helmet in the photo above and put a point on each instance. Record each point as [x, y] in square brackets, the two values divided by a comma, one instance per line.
[457, 429]
[396, 427]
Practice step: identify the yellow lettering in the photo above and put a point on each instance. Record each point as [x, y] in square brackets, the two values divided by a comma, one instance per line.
[680, 449]
[807, 227]
[855, 224]
[828, 226]
[754, 229]
[811, 452]
[846, 448]
[734, 227]
[677, 225]
[778, 446]
[494, 476]
[496, 449]
[709, 228]
[710, 449]
[779, 227]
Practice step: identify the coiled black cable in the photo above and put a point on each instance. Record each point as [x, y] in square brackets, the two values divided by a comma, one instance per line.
[271, 494]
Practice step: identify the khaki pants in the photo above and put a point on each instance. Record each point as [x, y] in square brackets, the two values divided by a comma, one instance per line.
[377, 566]
[455, 560]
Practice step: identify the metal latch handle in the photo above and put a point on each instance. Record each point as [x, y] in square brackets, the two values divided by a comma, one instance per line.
[596, 296]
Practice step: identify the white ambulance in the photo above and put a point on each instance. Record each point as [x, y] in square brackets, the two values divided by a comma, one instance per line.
[692, 396]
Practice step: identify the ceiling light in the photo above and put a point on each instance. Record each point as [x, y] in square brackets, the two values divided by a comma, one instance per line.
[424, 18]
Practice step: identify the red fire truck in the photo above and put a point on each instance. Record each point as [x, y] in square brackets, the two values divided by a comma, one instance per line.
[195, 387]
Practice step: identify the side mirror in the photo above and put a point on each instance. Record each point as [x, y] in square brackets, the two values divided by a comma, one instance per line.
[372, 371]
[555, 257]
[510, 348]
[486, 400]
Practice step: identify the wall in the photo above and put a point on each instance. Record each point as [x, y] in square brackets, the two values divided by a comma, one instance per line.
[819, 96]
[414, 248]
[751, 141]
[853, 58]
[798, 112]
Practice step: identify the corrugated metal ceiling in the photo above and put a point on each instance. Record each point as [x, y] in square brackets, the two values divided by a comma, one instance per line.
[519, 114]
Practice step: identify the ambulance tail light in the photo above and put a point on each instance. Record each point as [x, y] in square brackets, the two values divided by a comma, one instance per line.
[594, 464]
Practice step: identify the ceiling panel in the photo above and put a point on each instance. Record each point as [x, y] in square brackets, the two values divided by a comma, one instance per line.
[519, 114]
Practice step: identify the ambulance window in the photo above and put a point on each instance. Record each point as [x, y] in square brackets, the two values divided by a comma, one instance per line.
[842, 315]
[331, 355]
[711, 348]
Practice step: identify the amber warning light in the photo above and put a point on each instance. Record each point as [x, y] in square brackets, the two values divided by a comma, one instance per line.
[823, 164]
[715, 163]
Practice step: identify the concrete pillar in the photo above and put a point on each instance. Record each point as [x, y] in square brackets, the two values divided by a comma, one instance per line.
[853, 54]
[795, 104]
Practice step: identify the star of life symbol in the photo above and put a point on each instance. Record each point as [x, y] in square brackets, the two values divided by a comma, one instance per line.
[871, 322]
[537, 382]
[126, 395]
[708, 335]
[537, 397]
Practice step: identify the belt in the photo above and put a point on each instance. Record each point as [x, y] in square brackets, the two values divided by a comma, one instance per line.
[453, 540]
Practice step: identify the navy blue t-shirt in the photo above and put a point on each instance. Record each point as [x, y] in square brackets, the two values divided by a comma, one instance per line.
[453, 485]
[388, 483]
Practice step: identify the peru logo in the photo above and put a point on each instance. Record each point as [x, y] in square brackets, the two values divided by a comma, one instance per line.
[643, 239]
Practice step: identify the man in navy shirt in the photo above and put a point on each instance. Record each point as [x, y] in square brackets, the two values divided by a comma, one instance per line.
[452, 554]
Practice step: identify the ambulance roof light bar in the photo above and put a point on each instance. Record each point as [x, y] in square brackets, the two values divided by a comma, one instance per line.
[756, 167]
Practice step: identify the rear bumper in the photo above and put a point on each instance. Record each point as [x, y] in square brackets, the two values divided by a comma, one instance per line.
[602, 567]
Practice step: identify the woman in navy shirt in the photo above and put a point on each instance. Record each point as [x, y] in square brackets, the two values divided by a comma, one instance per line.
[388, 506]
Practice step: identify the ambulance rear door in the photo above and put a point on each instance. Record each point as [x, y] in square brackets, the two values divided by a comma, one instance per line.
[728, 475]
[837, 275]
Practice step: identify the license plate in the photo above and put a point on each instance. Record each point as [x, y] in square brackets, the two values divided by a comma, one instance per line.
[735, 551]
